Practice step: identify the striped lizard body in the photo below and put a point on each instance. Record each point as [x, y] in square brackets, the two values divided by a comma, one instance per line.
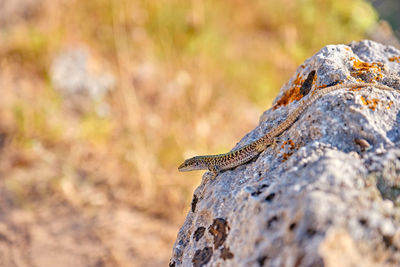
[221, 162]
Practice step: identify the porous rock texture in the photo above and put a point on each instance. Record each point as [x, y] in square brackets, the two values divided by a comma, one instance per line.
[327, 193]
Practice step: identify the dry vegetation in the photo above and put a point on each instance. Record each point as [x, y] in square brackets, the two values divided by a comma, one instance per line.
[191, 77]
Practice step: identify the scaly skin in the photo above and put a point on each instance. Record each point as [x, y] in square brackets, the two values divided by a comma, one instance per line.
[221, 162]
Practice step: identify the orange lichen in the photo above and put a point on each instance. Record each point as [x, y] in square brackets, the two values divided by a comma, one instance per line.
[364, 100]
[288, 142]
[285, 156]
[395, 59]
[389, 104]
[361, 68]
[370, 103]
[291, 94]
[292, 146]
[373, 103]
[288, 97]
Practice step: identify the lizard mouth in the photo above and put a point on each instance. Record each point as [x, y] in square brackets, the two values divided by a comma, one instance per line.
[182, 167]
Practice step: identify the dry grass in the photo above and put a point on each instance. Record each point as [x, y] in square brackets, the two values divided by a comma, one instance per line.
[192, 77]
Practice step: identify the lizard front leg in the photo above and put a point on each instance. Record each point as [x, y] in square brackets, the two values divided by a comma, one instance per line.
[214, 169]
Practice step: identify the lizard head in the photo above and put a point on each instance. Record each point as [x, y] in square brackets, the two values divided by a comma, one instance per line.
[192, 164]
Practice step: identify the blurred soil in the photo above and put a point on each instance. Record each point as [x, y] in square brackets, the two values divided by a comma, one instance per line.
[61, 235]
[44, 222]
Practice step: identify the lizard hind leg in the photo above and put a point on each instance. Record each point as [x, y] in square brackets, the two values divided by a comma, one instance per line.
[270, 142]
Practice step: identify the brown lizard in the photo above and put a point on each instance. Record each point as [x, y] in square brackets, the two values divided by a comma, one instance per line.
[232, 159]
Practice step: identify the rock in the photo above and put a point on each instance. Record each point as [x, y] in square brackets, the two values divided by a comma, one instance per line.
[327, 193]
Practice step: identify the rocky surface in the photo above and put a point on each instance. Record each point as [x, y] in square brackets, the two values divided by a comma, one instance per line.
[328, 193]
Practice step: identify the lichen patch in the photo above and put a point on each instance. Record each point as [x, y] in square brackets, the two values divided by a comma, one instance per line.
[395, 59]
[292, 94]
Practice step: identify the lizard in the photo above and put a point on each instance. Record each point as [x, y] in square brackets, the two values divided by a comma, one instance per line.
[221, 162]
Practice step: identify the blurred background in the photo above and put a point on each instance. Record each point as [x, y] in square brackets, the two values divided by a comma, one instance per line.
[101, 100]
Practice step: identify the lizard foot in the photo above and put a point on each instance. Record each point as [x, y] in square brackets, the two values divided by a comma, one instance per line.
[211, 175]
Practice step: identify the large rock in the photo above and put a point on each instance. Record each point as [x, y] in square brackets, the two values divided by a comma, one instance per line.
[328, 193]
